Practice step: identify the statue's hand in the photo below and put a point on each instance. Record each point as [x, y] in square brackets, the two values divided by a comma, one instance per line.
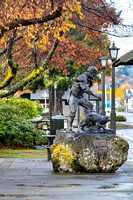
[99, 97]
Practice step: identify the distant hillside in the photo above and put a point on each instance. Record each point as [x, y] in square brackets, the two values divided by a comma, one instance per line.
[125, 74]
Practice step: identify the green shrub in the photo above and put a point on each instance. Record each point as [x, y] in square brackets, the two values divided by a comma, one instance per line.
[120, 109]
[120, 118]
[15, 129]
[30, 109]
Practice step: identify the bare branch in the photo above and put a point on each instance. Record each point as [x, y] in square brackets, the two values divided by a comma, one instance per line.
[99, 12]
[35, 52]
[11, 74]
[13, 67]
[5, 50]
[10, 45]
[107, 32]
[52, 4]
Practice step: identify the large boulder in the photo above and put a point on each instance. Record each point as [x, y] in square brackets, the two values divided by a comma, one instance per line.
[81, 152]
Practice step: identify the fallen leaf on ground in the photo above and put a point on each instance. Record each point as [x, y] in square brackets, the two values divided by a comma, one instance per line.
[117, 186]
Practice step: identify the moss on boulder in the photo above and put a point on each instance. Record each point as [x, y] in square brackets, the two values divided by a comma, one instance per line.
[75, 152]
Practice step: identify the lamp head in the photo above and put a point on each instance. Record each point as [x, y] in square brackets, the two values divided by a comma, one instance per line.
[103, 61]
[113, 52]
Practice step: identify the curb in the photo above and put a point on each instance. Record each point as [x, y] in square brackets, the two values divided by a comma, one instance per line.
[124, 136]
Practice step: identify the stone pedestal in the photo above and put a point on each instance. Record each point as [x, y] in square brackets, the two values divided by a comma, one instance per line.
[74, 152]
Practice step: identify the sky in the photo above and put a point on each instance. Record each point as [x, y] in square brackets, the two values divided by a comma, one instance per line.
[125, 44]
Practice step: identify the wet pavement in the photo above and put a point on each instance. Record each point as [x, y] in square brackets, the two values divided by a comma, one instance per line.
[30, 179]
[34, 179]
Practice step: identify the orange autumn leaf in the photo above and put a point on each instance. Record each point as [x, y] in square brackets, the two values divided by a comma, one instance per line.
[117, 186]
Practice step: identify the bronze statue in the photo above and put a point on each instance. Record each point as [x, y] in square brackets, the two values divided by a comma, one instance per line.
[80, 86]
[93, 120]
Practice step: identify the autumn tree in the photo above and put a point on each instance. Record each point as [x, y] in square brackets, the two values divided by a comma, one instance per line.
[57, 74]
[34, 35]
[124, 87]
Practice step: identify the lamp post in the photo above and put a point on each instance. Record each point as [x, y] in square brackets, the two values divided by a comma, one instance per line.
[103, 61]
[55, 87]
[113, 54]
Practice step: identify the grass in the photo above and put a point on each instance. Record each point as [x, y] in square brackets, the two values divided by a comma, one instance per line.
[28, 153]
[120, 125]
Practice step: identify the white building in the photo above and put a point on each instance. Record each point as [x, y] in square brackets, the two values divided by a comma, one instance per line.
[128, 100]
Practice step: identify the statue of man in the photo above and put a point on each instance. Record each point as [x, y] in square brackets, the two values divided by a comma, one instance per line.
[80, 86]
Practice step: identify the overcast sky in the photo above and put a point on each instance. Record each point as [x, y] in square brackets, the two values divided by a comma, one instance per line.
[125, 44]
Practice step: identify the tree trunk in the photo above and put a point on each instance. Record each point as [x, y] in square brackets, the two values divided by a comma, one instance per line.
[59, 102]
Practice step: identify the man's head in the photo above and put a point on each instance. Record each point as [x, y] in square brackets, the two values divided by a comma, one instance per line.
[92, 71]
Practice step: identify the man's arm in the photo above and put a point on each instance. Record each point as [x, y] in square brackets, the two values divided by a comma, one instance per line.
[97, 96]
[87, 90]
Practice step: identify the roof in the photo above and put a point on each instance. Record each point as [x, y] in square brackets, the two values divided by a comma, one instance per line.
[40, 95]
[66, 95]
[126, 59]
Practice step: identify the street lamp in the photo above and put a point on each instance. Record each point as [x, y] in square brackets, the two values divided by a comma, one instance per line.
[103, 61]
[113, 54]
[55, 87]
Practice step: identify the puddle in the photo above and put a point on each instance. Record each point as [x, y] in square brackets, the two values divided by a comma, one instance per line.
[57, 186]
[13, 195]
[66, 185]
[22, 185]
[109, 186]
